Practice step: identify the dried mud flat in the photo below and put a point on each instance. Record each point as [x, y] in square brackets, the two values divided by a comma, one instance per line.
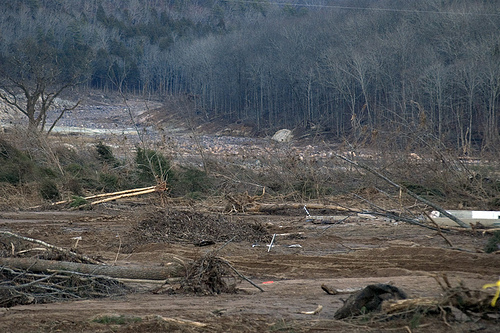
[352, 254]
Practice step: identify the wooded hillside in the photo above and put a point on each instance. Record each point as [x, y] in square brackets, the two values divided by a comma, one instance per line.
[354, 69]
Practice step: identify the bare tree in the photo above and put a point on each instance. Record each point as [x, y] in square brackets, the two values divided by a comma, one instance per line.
[34, 72]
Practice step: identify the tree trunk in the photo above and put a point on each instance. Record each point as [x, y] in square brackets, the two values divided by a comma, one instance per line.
[169, 270]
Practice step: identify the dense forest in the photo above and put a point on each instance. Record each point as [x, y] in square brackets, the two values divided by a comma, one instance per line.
[347, 68]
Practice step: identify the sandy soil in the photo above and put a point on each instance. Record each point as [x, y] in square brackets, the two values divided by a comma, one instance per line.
[353, 254]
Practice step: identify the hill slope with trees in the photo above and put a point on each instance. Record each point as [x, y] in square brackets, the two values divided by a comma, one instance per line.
[353, 69]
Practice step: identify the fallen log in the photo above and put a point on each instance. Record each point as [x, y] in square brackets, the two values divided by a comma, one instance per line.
[315, 312]
[170, 270]
[138, 191]
[133, 194]
[267, 208]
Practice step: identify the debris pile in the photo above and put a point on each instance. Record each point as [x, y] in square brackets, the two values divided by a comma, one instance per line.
[19, 287]
[210, 275]
[178, 226]
[383, 301]
[368, 299]
[25, 285]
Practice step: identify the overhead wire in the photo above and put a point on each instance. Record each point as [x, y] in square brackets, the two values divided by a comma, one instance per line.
[400, 10]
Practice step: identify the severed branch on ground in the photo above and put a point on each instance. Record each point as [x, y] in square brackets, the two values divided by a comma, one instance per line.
[181, 321]
[269, 208]
[439, 230]
[78, 256]
[247, 204]
[391, 215]
[241, 275]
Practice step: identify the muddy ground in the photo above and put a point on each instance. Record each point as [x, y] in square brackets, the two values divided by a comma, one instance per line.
[348, 255]
[351, 254]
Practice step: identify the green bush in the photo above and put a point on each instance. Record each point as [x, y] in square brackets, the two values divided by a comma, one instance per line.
[109, 182]
[77, 201]
[105, 154]
[310, 188]
[74, 185]
[48, 172]
[493, 244]
[150, 164]
[75, 169]
[15, 166]
[49, 190]
[191, 182]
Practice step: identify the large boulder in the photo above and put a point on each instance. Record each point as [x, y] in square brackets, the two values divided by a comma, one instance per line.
[283, 135]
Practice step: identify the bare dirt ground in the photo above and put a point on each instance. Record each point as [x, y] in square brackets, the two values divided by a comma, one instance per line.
[352, 254]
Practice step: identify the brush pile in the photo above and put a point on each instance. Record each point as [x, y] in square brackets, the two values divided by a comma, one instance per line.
[178, 226]
[209, 275]
[19, 287]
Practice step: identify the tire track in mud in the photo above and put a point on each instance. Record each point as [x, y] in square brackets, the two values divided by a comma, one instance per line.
[391, 261]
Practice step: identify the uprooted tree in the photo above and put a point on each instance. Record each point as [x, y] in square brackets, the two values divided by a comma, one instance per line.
[34, 71]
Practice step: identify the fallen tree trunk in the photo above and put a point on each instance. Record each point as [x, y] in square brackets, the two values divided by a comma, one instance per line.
[133, 194]
[137, 191]
[258, 207]
[128, 272]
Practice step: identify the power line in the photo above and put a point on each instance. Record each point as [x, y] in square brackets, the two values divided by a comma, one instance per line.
[412, 11]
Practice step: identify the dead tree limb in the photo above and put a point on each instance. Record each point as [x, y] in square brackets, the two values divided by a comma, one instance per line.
[393, 216]
[50, 246]
[439, 230]
[241, 275]
[403, 219]
[410, 193]
[127, 272]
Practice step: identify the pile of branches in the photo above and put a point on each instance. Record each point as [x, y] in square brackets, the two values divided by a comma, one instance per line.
[384, 302]
[19, 287]
[210, 275]
[473, 304]
[178, 226]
